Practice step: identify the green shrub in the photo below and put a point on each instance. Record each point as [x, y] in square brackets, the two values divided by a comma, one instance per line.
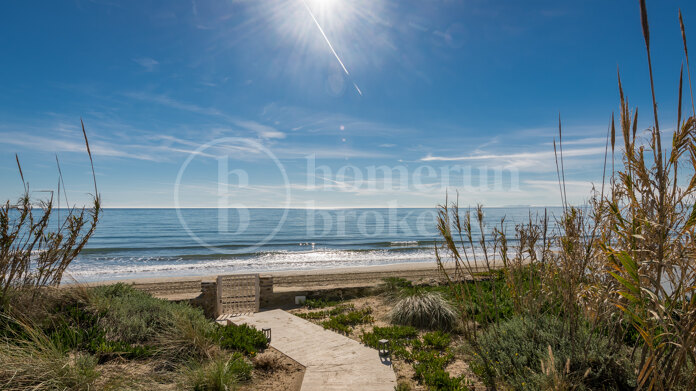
[517, 347]
[396, 334]
[424, 309]
[429, 355]
[188, 338]
[133, 316]
[316, 315]
[243, 338]
[341, 308]
[430, 363]
[320, 303]
[399, 337]
[344, 322]
[74, 327]
[438, 379]
[437, 340]
[402, 387]
[219, 374]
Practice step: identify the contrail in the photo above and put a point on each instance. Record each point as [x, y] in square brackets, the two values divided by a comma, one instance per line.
[321, 30]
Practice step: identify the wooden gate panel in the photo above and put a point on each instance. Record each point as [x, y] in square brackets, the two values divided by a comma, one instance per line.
[237, 294]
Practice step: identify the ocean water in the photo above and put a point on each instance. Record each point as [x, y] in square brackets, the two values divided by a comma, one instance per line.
[134, 243]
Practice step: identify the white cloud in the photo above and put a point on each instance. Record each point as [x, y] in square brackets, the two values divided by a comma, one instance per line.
[264, 131]
[518, 156]
[52, 144]
[150, 64]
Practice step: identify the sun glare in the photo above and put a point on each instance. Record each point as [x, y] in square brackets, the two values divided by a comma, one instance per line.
[337, 37]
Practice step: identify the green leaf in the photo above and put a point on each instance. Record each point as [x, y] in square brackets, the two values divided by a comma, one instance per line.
[630, 265]
[692, 218]
[625, 283]
[630, 297]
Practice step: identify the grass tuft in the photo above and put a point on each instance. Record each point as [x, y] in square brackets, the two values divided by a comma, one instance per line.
[219, 374]
[423, 309]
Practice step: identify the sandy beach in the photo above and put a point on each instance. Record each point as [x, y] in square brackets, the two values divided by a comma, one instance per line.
[315, 279]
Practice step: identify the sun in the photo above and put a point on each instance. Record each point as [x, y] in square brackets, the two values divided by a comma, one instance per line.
[338, 35]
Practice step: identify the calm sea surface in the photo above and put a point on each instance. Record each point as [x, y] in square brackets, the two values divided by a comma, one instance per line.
[132, 243]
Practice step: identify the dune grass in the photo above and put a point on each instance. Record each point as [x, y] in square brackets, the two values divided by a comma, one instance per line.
[61, 340]
[219, 374]
[616, 274]
[424, 309]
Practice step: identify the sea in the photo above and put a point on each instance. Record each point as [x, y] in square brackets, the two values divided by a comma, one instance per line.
[139, 243]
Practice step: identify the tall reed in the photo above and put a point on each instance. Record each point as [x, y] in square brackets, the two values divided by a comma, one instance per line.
[32, 253]
[625, 264]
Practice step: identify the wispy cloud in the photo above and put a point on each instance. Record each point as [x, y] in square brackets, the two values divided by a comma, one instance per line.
[518, 156]
[52, 144]
[264, 131]
[150, 64]
[165, 100]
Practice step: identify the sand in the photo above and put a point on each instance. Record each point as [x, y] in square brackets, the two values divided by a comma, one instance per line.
[313, 279]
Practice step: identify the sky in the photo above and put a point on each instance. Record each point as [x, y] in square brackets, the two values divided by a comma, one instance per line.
[324, 103]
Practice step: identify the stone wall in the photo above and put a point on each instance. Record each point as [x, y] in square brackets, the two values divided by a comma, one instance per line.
[207, 300]
[265, 290]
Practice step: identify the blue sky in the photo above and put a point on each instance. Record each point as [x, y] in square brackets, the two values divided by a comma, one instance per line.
[465, 87]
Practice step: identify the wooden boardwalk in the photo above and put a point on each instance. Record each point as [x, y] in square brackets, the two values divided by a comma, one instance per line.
[332, 361]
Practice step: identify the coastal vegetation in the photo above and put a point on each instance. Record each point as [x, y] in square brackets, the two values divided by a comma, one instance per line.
[606, 300]
[33, 252]
[83, 338]
[69, 338]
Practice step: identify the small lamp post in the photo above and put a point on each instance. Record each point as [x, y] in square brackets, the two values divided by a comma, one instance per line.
[383, 345]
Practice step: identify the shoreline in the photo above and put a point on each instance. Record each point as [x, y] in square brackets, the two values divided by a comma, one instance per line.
[392, 267]
[287, 280]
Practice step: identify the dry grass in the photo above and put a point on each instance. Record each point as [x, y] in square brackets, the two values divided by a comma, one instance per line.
[32, 253]
[424, 309]
[625, 264]
[35, 362]
[189, 338]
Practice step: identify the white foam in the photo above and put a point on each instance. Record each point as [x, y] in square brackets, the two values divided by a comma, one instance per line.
[282, 260]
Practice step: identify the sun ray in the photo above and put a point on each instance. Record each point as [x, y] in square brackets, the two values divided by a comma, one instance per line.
[321, 30]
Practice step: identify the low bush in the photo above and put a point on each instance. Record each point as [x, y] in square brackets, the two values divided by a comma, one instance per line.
[424, 309]
[402, 387]
[344, 322]
[219, 374]
[189, 338]
[395, 334]
[437, 340]
[133, 316]
[399, 338]
[518, 347]
[316, 315]
[243, 338]
[320, 303]
[430, 357]
[73, 326]
[341, 308]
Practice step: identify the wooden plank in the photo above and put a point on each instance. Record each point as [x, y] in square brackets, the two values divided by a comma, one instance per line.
[238, 294]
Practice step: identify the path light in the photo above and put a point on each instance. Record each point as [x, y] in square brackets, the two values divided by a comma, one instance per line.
[383, 347]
